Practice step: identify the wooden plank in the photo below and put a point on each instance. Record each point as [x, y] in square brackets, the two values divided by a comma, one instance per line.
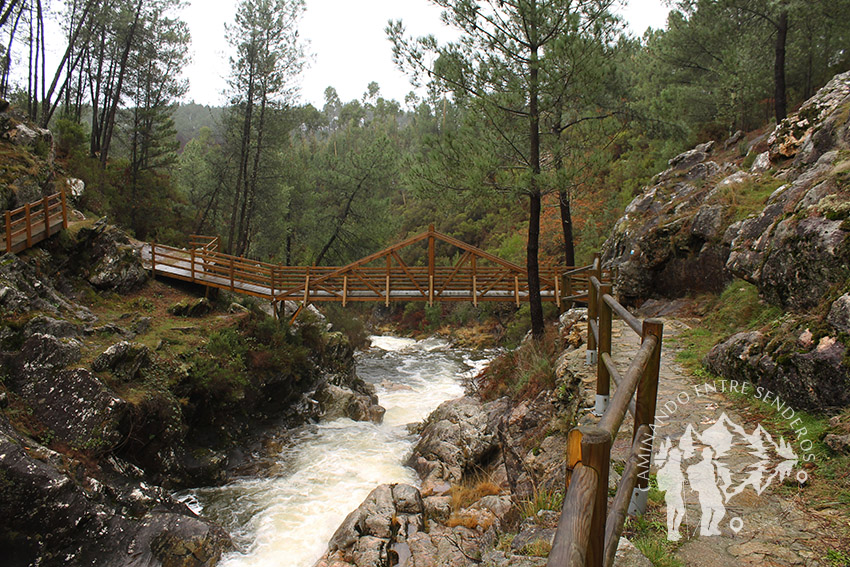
[516, 289]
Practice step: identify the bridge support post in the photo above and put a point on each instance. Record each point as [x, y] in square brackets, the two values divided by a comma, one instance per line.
[645, 405]
[153, 259]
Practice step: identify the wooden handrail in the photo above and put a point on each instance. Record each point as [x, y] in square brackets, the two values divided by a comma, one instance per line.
[34, 222]
[595, 545]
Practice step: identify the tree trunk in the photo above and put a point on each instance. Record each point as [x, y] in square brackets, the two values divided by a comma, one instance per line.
[109, 123]
[535, 302]
[567, 226]
[779, 94]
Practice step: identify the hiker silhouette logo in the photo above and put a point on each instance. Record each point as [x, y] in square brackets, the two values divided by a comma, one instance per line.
[714, 466]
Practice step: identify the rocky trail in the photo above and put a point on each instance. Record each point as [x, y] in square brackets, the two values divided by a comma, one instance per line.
[774, 528]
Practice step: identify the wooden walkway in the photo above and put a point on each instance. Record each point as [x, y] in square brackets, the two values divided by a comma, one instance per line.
[381, 277]
[34, 222]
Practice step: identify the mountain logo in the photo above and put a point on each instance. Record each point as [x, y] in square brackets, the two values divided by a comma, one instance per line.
[718, 464]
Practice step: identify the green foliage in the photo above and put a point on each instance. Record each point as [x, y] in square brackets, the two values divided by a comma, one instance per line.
[70, 136]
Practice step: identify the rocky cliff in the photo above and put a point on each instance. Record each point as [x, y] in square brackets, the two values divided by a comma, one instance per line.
[115, 389]
[777, 217]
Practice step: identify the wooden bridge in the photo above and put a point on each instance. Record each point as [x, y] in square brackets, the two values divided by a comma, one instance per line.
[380, 277]
[34, 222]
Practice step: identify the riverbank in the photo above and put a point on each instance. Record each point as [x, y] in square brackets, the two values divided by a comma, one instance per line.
[489, 480]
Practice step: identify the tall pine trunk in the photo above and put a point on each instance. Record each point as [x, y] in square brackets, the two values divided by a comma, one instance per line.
[567, 227]
[535, 302]
[779, 91]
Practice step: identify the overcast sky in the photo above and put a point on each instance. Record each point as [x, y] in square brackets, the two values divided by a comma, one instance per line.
[347, 43]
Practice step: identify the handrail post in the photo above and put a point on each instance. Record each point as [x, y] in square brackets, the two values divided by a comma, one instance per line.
[431, 267]
[592, 317]
[231, 274]
[28, 224]
[192, 260]
[64, 208]
[344, 289]
[567, 286]
[474, 281]
[645, 402]
[8, 231]
[45, 206]
[603, 378]
[596, 454]
[387, 296]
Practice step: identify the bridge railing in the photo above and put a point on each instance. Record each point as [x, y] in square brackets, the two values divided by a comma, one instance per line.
[589, 531]
[34, 222]
[477, 276]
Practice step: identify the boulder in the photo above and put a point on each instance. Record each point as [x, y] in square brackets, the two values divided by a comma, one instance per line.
[761, 163]
[124, 359]
[191, 308]
[337, 402]
[838, 443]
[44, 353]
[806, 373]
[58, 328]
[458, 437]
[390, 514]
[109, 261]
[23, 289]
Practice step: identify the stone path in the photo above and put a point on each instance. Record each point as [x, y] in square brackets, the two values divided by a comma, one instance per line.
[771, 529]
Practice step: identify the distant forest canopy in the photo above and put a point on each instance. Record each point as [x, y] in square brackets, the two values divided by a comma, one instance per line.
[545, 112]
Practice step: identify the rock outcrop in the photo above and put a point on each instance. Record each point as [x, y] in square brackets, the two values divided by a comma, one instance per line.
[682, 236]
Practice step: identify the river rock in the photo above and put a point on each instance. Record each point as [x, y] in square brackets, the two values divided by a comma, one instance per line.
[458, 437]
[48, 517]
[391, 513]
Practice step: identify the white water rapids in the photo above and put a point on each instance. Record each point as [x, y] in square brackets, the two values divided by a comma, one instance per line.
[330, 468]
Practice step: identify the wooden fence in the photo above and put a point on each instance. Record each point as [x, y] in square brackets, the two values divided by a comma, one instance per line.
[476, 276]
[588, 531]
[34, 222]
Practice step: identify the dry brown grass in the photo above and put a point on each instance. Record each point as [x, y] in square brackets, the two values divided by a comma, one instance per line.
[471, 491]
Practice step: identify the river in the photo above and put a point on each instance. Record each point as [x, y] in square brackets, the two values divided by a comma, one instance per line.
[328, 469]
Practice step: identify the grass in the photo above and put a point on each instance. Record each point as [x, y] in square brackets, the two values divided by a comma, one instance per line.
[735, 310]
[747, 197]
[542, 500]
[649, 534]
